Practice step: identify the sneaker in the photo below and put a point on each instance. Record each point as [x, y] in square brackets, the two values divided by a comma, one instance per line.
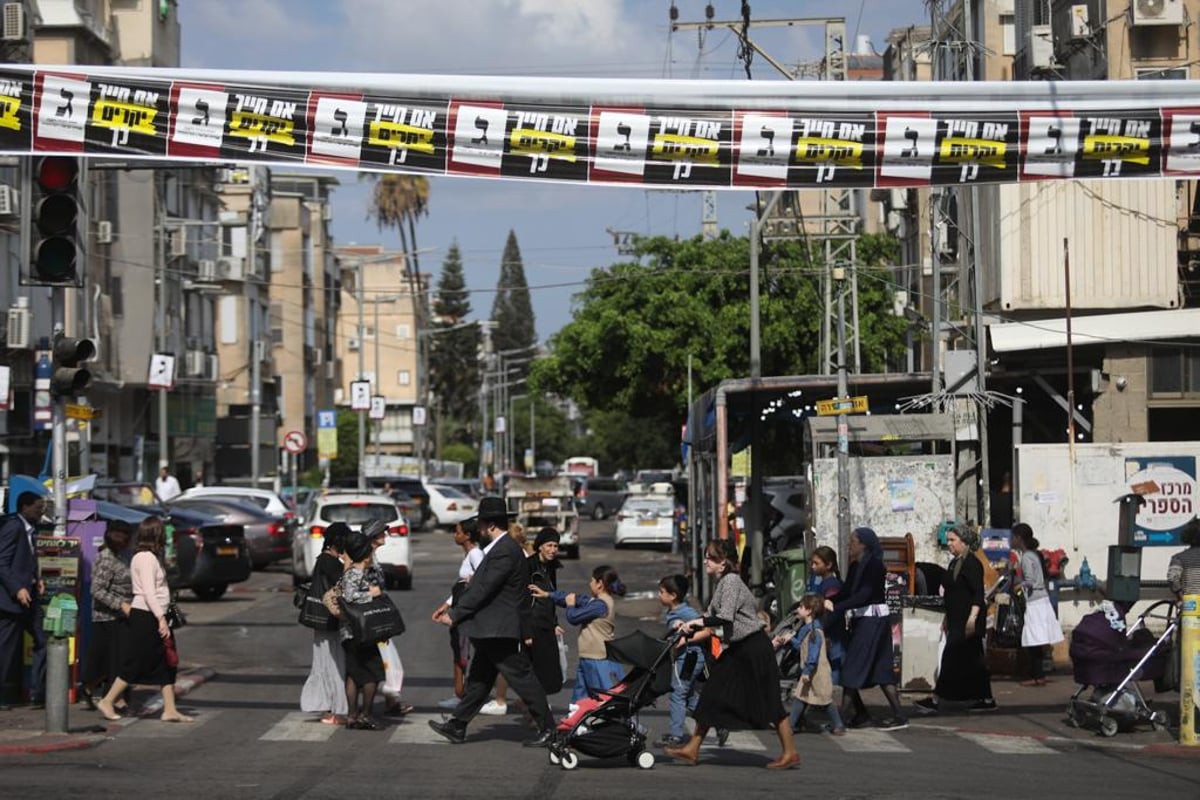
[667, 740]
[926, 706]
[983, 705]
[892, 724]
[449, 704]
[494, 709]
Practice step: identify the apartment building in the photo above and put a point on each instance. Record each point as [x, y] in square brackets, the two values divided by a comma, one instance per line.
[380, 340]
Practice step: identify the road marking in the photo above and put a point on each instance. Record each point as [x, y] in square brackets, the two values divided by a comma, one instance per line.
[415, 730]
[865, 740]
[744, 741]
[1009, 745]
[154, 728]
[299, 726]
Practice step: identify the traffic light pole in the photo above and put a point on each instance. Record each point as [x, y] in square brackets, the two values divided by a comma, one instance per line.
[59, 423]
[160, 325]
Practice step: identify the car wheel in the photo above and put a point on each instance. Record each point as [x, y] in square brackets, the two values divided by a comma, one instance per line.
[434, 522]
[404, 582]
[598, 512]
[211, 592]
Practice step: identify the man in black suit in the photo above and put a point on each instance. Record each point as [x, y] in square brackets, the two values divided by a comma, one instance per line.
[19, 590]
[490, 612]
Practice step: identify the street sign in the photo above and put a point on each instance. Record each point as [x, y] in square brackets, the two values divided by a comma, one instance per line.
[83, 412]
[295, 442]
[327, 443]
[418, 416]
[378, 408]
[5, 377]
[162, 371]
[842, 405]
[360, 396]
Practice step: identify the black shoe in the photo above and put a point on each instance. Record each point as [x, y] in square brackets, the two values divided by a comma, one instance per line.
[983, 705]
[722, 736]
[85, 695]
[543, 739]
[892, 724]
[862, 721]
[927, 706]
[455, 734]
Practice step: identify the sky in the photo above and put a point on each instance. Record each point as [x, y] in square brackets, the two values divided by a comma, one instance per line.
[561, 229]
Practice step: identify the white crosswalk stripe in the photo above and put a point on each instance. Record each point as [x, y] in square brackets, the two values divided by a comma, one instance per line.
[743, 741]
[1009, 745]
[415, 730]
[866, 740]
[154, 728]
[299, 726]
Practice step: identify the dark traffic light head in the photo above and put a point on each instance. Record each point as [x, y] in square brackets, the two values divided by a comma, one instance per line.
[68, 378]
[55, 256]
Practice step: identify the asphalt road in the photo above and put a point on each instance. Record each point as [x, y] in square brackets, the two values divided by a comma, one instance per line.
[250, 740]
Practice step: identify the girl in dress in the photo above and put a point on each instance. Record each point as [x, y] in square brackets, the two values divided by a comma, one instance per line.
[594, 614]
[1041, 625]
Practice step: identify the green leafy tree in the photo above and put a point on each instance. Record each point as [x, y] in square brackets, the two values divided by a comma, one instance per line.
[553, 437]
[512, 309]
[454, 355]
[345, 466]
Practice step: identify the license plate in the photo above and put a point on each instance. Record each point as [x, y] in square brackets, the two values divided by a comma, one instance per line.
[227, 551]
[647, 522]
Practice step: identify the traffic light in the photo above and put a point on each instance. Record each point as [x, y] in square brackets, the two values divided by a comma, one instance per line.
[69, 379]
[55, 256]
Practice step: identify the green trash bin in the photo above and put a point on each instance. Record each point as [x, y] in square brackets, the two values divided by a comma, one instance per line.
[789, 569]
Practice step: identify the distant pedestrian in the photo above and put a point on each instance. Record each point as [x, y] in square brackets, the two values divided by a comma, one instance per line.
[688, 664]
[595, 614]
[544, 632]
[743, 685]
[963, 675]
[466, 536]
[1040, 626]
[145, 654]
[324, 690]
[364, 664]
[166, 486]
[815, 686]
[869, 659]
[1183, 570]
[112, 603]
[20, 587]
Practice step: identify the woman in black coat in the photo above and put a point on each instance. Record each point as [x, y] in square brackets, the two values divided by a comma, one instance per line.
[963, 675]
[543, 630]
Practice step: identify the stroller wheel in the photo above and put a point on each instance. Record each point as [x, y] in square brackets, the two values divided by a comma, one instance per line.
[1158, 720]
[1108, 727]
[570, 760]
[554, 758]
[644, 760]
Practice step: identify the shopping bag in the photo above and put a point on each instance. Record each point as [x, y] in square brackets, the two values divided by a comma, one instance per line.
[313, 611]
[562, 654]
[393, 681]
[373, 621]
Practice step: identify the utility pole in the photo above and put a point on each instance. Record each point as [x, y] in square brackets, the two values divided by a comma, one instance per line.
[160, 324]
[843, 430]
[362, 415]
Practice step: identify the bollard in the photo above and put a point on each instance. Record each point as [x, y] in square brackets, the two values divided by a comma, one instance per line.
[1189, 676]
[58, 684]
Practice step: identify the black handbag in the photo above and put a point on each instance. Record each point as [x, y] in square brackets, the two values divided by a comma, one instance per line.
[175, 618]
[374, 621]
[313, 611]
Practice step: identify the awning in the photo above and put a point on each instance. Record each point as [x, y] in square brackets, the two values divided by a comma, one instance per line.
[1138, 326]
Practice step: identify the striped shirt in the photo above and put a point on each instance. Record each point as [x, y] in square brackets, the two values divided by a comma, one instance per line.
[1183, 573]
[111, 586]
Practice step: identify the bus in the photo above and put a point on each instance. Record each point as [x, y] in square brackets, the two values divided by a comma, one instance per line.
[581, 465]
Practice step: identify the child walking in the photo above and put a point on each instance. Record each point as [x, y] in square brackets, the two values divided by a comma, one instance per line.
[689, 657]
[815, 687]
[594, 614]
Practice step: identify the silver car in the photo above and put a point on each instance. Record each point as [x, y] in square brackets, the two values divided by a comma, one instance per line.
[268, 537]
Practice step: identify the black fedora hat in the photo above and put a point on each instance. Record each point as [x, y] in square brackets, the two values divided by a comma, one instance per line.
[492, 509]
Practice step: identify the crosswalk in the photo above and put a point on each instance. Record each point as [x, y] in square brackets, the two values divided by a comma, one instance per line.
[305, 728]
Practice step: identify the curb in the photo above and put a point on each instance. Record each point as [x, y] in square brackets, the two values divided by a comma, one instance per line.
[40, 743]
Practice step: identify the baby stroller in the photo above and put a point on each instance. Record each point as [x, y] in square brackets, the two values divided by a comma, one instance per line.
[1110, 661]
[606, 724]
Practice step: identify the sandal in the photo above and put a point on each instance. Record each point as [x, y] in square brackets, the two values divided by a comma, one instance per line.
[367, 724]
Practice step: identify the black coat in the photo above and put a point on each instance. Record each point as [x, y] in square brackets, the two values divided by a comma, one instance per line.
[960, 594]
[496, 601]
[18, 564]
[544, 575]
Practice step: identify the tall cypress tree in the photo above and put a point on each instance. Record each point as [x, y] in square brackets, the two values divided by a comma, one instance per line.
[454, 356]
[512, 310]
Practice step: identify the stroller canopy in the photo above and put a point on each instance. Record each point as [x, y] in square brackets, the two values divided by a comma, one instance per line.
[638, 649]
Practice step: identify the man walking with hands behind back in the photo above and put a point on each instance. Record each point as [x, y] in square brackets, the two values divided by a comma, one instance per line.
[490, 612]
[19, 590]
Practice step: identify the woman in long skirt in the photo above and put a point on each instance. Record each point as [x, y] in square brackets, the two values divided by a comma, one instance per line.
[325, 689]
[743, 685]
[1041, 625]
[112, 602]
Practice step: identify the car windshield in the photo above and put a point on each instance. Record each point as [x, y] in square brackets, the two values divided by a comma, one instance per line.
[449, 491]
[358, 513]
[648, 507]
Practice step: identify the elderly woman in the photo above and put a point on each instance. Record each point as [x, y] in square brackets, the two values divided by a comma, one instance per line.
[869, 659]
[963, 676]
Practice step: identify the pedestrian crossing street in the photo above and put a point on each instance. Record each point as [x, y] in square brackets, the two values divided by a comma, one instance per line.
[303, 727]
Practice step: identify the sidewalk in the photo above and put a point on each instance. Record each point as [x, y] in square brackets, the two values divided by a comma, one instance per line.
[23, 728]
[1032, 712]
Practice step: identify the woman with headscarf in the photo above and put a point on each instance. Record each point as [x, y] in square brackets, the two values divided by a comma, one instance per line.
[869, 659]
[1041, 625]
[325, 688]
[963, 675]
[542, 637]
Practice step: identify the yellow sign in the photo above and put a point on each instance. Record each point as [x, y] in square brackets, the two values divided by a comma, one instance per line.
[842, 405]
[1189, 683]
[83, 412]
[327, 443]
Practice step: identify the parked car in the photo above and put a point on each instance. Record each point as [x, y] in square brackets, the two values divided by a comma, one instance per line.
[598, 497]
[646, 519]
[205, 554]
[268, 537]
[471, 487]
[266, 499]
[448, 506]
[355, 510]
[412, 486]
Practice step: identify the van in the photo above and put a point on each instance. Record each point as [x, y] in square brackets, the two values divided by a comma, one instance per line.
[598, 497]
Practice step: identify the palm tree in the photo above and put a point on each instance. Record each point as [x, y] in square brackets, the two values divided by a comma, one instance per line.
[396, 202]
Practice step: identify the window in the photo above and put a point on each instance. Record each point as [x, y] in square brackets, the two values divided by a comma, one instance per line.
[1167, 74]
[116, 295]
[1008, 26]
[368, 332]
[404, 377]
[403, 332]
[1175, 372]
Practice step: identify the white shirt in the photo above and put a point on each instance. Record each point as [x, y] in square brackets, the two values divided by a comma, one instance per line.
[167, 488]
[467, 568]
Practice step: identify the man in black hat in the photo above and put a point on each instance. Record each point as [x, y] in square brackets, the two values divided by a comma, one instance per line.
[490, 612]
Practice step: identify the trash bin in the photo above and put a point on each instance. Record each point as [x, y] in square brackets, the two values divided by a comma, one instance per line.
[790, 571]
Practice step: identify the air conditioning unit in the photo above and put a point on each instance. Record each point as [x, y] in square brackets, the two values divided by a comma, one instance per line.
[104, 233]
[10, 201]
[212, 368]
[316, 356]
[14, 22]
[196, 363]
[945, 238]
[352, 345]
[18, 328]
[1041, 47]
[206, 270]
[326, 211]
[178, 242]
[231, 268]
[898, 199]
[1157, 12]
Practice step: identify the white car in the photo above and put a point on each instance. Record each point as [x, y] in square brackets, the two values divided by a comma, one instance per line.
[448, 506]
[355, 510]
[646, 519]
[265, 499]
